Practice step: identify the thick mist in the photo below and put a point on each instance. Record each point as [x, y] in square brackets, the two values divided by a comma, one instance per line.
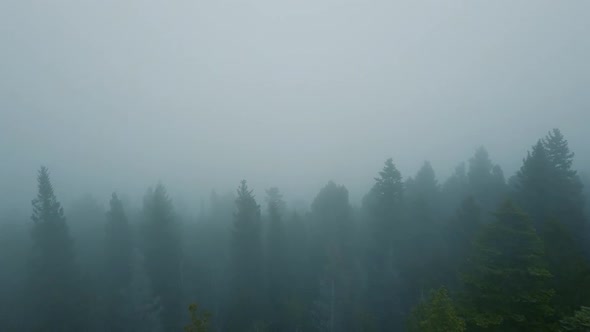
[113, 95]
[294, 166]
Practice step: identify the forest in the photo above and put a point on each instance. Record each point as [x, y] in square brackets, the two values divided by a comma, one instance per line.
[475, 252]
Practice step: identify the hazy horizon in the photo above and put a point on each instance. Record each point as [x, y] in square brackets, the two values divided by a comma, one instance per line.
[116, 96]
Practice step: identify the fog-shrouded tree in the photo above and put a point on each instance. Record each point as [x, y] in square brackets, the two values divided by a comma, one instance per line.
[454, 190]
[486, 182]
[163, 255]
[461, 233]
[118, 266]
[248, 301]
[549, 188]
[383, 211]
[335, 262]
[54, 290]
[569, 267]
[507, 286]
[277, 266]
[421, 267]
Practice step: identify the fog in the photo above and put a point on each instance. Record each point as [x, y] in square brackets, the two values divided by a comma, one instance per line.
[118, 96]
[112, 95]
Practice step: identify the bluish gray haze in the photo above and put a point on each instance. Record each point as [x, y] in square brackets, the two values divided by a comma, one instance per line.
[116, 95]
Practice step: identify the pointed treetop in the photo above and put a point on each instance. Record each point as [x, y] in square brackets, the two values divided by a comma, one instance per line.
[45, 206]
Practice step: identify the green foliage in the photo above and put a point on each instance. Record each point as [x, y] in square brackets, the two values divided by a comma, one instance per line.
[579, 322]
[199, 321]
[507, 286]
[569, 268]
[438, 314]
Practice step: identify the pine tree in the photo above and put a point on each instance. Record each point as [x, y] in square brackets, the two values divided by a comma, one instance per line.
[569, 268]
[549, 189]
[461, 234]
[163, 255]
[486, 180]
[53, 286]
[277, 264]
[118, 265]
[507, 286]
[567, 187]
[422, 264]
[335, 260]
[247, 293]
[383, 209]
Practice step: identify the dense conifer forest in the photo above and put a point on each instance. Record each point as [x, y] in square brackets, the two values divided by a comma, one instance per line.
[474, 252]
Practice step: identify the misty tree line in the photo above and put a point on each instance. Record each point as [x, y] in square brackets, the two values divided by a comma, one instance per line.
[475, 253]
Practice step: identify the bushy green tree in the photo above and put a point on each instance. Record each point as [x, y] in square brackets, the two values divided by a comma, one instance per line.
[437, 314]
[54, 289]
[578, 322]
[199, 321]
[507, 285]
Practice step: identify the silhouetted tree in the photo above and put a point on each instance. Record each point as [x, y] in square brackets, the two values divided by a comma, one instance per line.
[248, 302]
[118, 266]
[53, 285]
[163, 255]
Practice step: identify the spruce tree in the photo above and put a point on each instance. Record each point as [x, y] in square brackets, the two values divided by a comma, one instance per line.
[53, 286]
[507, 285]
[118, 266]
[486, 181]
[163, 255]
[334, 258]
[383, 209]
[276, 257]
[248, 302]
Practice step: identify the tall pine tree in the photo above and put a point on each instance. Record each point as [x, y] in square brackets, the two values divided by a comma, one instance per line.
[248, 303]
[118, 266]
[163, 256]
[53, 286]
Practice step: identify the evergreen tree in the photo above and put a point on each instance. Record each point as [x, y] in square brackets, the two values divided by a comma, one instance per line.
[486, 180]
[438, 314]
[142, 308]
[422, 265]
[53, 285]
[118, 265]
[579, 322]
[549, 189]
[335, 261]
[277, 264]
[248, 302]
[568, 188]
[461, 234]
[569, 268]
[163, 255]
[454, 191]
[507, 286]
[383, 209]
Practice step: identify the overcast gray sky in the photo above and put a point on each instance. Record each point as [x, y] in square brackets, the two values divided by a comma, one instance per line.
[116, 95]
